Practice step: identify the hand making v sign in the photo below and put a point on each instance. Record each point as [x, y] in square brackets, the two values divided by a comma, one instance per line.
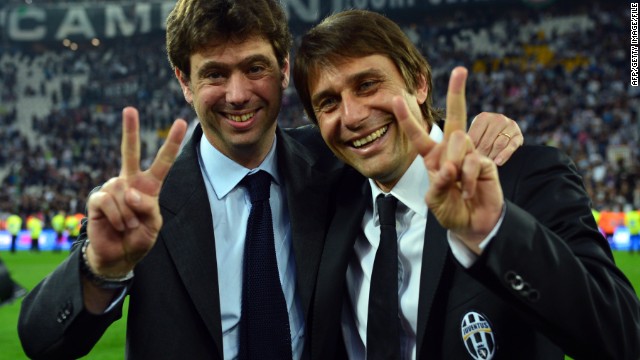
[124, 214]
[464, 192]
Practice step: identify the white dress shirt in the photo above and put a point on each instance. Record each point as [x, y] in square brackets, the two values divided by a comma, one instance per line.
[230, 207]
[411, 220]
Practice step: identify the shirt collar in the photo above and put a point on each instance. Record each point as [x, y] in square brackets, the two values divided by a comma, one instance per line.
[214, 162]
[414, 179]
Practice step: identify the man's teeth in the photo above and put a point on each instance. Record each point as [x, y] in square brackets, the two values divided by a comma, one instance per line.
[240, 118]
[371, 137]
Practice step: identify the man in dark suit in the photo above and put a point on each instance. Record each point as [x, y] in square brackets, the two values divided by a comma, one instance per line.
[498, 264]
[181, 225]
[184, 234]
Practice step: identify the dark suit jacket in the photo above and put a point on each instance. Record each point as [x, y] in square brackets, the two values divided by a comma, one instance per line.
[174, 309]
[546, 284]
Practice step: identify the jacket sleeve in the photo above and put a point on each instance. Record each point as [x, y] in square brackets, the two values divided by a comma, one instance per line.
[552, 263]
[53, 323]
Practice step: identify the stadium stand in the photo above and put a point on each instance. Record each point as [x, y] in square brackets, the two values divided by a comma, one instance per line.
[562, 73]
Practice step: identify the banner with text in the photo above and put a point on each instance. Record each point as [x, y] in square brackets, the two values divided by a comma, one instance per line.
[30, 23]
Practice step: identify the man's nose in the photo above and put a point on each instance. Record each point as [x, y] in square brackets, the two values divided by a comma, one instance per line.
[353, 111]
[238, 89]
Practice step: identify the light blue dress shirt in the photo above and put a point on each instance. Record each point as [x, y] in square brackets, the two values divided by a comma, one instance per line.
[230, 207]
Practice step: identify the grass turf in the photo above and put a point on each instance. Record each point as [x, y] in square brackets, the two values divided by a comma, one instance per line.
[29, 268]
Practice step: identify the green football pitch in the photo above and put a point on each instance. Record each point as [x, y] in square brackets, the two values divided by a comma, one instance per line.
[29, 268]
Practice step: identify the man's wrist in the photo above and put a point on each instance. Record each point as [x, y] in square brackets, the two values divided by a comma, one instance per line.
[101, 281]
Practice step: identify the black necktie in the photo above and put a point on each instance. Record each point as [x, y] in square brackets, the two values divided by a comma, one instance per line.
[264, 323]
[383, 336]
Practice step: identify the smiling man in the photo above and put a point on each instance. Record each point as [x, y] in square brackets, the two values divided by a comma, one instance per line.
[352, 100]
[185, 227]
[496, 263]
[236, 89]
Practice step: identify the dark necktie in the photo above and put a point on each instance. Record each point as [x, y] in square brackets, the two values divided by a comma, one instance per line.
[383, 336]
[264, 323]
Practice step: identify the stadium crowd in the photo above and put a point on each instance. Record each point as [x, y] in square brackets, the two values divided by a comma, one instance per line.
[562, 73]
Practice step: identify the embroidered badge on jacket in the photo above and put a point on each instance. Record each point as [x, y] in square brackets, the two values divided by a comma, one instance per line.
[477, 336]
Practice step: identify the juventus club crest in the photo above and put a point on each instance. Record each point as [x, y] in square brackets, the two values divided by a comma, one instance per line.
[477, 336]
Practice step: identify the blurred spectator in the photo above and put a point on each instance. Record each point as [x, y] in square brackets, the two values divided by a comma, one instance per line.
[72, 225]
[57, 223]
[632, 222]
[14, 225]
[34, 225]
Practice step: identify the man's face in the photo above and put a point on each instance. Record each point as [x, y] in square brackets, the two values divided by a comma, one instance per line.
[352, 102]
[236, 90]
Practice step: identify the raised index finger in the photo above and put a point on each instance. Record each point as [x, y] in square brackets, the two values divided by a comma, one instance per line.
[456, 118]
[130, 146]
[412, 127]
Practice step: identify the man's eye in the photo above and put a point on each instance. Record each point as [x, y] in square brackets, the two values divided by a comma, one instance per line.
[256, 69]
[368, 85]
[327, 105]
[214, 75]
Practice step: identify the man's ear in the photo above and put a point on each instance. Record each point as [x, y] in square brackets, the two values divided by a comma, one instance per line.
[184, 84]
[422, 89]
[285, 73]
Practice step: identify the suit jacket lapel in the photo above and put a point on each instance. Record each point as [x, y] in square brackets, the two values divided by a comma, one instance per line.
[188, 235]
[351, 201]
[433, 261]
[307, 190]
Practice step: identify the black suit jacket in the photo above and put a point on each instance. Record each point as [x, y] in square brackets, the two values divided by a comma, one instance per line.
[546, 284]
[174, 309]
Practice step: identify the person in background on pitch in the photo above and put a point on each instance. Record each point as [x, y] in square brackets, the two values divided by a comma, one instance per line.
[14, 225]
[497, 262]
[57, 223]
[72, 225]
[180, 225]
[34, 225]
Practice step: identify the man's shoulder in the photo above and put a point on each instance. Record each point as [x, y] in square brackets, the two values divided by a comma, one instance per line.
[530, 155]
[305, 134]
[306, 142]
[537, 163]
